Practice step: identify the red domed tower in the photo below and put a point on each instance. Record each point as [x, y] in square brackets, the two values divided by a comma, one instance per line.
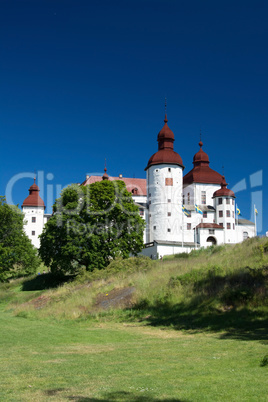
[33, 199]
[164, 189]
[165, 153]
[201, 182]
[201, 172]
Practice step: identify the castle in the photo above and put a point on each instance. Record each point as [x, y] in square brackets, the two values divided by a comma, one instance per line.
[181, 212]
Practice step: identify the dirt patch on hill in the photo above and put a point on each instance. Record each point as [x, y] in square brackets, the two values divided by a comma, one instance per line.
[40, 302]
[115, 298]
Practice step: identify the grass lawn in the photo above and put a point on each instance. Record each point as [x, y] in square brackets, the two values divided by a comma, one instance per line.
[105, 361]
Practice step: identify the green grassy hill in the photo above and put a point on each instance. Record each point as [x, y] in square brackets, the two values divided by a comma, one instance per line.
[215, 288]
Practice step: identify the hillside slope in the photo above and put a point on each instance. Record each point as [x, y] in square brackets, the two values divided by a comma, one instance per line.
[216, 288]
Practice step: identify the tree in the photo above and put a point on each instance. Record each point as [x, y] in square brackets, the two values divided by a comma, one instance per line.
[18, 257]
[90, 226]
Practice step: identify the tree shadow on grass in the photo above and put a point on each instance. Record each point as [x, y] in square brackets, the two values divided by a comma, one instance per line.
[242, 324]
[218, 303]
[45, 281]
[124, 396]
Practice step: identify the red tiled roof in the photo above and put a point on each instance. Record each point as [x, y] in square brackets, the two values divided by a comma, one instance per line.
[131, 184]
[224, 191]
[201, 172]
[33, 199]
[165, 156]
[209, 226]
[165, 153]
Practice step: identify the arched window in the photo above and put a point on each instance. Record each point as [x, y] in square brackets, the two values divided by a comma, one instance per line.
[212, 240]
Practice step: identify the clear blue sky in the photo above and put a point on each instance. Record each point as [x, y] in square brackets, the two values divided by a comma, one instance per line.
[82, 81]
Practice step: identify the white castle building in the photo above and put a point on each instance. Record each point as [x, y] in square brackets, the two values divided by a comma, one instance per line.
[181, 212]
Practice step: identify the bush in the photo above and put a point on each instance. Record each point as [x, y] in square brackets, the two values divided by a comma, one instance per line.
[264, 361]
[181, 255]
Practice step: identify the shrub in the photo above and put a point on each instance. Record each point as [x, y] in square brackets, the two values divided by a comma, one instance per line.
[264, 361]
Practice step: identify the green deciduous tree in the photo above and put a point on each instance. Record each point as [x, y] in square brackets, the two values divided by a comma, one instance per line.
[91, 225]
[18, 257]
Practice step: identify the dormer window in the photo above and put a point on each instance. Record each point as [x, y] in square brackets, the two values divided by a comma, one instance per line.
[135, 191]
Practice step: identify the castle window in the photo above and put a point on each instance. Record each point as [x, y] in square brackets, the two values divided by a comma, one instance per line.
[169, 200]
[169, 181]
[228, 225]
[233, 226]
[183, 199]
[205, 214]
[211, 231]
[245, 235]
[188, 198]
[149, 194]
[227, 200]
[189, 226]
[141, 212]
[33, 232]
[220, 214]
[150, 202]
[221, 224]
[169, 230]
[33, 219]
[233, 214]
[220, 201]
[233, 202]
[228, 214]
[154, 227]
[169, 214]
[135, 191]
[203, 197]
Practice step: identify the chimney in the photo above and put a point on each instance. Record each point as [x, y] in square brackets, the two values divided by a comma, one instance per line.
[120, 176]
[87, 176]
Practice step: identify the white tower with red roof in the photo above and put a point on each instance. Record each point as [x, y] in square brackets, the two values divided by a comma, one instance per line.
[164, 190]
[33, 208]
[225, 211]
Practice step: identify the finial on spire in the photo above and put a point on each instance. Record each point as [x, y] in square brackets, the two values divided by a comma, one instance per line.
[105, 175]
[165, 120]
[200, 142]
[222, 170]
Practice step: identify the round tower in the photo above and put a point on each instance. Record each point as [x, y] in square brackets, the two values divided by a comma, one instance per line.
[164, 189]
[33, 208]
[225, 211]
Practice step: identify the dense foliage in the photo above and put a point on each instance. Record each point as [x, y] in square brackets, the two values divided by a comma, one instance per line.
[18, 257]
[91, 226]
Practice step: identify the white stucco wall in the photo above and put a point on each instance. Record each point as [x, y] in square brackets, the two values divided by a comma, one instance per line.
[33, 229]
[244, 230]
[204, 233]
[164, 202]
[195, 191]
[230, 235]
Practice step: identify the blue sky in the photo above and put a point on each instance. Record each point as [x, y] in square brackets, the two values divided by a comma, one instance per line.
[82, 81]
